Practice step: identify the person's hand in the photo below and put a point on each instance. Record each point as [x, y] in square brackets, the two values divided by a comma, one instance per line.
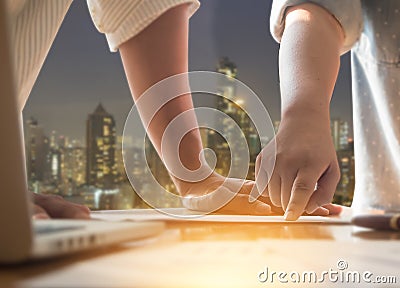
[306, 170]
[223, 195]
[211, 195]
[53, 206]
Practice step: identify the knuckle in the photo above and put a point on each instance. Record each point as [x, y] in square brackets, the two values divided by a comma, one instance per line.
[296, 204]
[281, 156]
[289, 160]
[49, 198]
[56, 197]
[303, 186]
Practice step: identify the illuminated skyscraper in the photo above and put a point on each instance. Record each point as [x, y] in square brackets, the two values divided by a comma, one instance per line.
[227, 88]
[54, 159]
[73, 165]
[345, 188]
[37, 147]
[100, 144]
[119, 161]
[232, 106]
[340, 134]
[345, 155]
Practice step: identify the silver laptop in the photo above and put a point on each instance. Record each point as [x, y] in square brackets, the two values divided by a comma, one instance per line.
[21, 238]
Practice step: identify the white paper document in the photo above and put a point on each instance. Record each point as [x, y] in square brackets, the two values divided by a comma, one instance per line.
[187, 215]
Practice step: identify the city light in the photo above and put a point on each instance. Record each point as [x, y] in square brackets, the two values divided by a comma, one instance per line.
[94, 174]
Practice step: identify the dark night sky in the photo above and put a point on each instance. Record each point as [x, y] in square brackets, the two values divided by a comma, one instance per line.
[80, 70]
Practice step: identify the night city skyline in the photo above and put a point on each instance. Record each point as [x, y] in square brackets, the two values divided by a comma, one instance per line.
[81, 71]
[94, 175]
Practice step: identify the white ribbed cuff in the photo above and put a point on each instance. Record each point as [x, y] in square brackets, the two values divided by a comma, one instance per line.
[347, 13]
[142, 16]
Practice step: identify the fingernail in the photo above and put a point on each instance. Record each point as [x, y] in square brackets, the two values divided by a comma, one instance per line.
[41, 216]
[82, 216]
[289, 216]
[325, 212]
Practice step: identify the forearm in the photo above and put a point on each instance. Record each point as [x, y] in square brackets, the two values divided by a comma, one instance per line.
[158, 52]
[309, 61]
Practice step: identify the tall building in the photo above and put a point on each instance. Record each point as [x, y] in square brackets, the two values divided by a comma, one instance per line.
[345, 189]
[100, 144]
[160, 174]
[119, 161]
[73, 167]
[37, 147]
[227, 87]
[54, 158]
[345, 155]
[340, 134]
[231, 106]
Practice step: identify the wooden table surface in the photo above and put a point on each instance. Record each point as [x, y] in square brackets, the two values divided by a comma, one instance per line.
[200, 254]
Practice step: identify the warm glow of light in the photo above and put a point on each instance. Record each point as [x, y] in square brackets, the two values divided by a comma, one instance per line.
[239, 102]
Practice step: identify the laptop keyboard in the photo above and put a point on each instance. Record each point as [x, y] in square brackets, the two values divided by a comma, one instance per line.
[46, 229]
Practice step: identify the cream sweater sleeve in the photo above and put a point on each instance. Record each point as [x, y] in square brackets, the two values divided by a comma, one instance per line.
[123, 19]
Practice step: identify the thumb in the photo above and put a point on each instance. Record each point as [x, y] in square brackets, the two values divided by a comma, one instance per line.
[208, 202]
[39, 213]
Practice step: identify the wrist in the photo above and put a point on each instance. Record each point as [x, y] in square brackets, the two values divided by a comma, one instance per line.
[306, 113]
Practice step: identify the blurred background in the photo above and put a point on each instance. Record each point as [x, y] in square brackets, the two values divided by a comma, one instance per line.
[76, 112]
